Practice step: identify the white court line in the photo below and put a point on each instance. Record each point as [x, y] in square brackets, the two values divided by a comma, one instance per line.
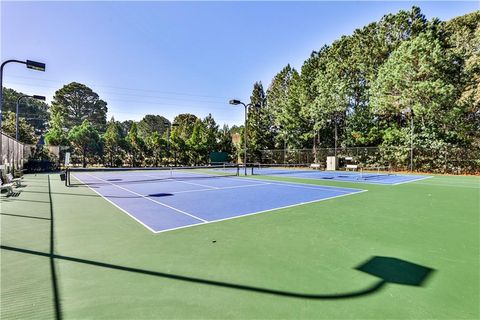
[150, 199]
[455, 179]
[449, 185]
[195, 184]
[348, 181]
[224, 188]
[115, 205]
[306, 185]
[408, 181]
[313, 187]
[263, 211]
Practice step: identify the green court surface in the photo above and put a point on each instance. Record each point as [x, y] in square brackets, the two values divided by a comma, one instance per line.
[409, 251]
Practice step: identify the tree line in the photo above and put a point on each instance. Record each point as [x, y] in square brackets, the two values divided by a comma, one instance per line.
[371, 87]
[78, 120]
[399, 81]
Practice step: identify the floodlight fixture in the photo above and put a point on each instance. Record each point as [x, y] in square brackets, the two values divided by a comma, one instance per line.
[38, 66]
[34, 65]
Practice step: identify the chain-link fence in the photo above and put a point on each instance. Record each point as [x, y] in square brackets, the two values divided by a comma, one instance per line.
[16, 154]
[435, 160]
[12, 157]
[31, 149]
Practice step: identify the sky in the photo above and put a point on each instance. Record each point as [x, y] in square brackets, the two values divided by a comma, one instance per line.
[169, 58]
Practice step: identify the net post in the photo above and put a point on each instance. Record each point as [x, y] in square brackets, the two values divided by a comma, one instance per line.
[66, 177]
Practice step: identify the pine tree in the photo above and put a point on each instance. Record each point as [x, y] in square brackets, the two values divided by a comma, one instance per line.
[259, 124]
[86, 140]
[112, 141]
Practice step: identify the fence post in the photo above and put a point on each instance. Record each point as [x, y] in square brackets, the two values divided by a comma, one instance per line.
[411, 158]
[7, 162]
[445, 170]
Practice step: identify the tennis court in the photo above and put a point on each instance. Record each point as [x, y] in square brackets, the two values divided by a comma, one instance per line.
[163, 200]
[407, 251]
[373, 175]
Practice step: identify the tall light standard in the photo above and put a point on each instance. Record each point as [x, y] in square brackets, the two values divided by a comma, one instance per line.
[167, 124]
[17, 114]
[335, 137]
[411, 140]
[235, 103]
[410, 110]
[284, 145]
[39, 66]
[335, 119]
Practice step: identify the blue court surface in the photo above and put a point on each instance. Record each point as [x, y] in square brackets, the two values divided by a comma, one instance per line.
[161, 202]
[346, 176]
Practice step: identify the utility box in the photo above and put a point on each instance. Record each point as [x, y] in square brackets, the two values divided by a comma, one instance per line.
[332, 163]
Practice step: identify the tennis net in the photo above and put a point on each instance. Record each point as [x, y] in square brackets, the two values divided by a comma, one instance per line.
[280, 168]
[97, 176]
[369, 173]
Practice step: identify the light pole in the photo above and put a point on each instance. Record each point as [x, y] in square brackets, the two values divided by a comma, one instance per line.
[410, 111]
[281, 129]
[17, 114]
[411, 139]
[237, 102]
[168, 134]
[335, 137]
[39, 66]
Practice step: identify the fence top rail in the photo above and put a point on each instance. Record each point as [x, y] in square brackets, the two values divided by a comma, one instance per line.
[11, 138]
[454, 149]
[311, 149]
